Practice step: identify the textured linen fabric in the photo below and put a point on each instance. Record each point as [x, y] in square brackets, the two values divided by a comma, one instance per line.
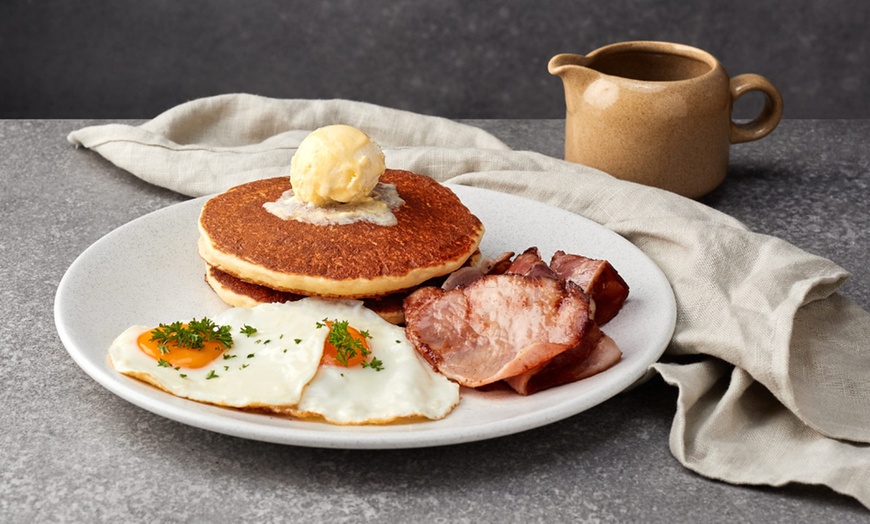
[770, 361]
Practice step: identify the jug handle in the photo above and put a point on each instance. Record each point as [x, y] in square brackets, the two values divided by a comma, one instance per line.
[564, 61]
[770, 115]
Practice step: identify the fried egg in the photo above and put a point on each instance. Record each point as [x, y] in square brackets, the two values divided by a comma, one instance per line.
[280, 360]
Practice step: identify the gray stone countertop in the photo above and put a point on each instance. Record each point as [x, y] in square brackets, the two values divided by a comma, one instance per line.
[73, 451]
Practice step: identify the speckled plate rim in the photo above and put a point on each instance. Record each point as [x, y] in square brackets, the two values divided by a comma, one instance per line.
[148, 271]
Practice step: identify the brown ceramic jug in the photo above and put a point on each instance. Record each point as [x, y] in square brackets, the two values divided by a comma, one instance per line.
[658, 113]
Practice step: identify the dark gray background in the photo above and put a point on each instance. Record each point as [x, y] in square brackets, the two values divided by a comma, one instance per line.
[452, 58]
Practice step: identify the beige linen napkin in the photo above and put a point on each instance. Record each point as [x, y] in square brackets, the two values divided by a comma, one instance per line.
[780, 393]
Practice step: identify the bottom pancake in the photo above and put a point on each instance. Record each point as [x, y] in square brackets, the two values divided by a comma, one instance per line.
[238, 293]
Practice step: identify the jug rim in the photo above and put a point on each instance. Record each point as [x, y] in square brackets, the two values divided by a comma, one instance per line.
[660, 47]
[639, 46]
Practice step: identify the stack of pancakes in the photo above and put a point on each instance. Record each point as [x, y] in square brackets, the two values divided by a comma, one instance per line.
[256, 257]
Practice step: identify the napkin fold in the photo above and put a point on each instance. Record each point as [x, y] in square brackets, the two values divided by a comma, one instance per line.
[770, 361]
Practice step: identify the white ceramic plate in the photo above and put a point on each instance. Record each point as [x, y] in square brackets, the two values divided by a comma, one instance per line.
[148, 271]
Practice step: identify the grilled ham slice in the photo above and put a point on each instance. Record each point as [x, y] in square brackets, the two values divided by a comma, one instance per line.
[530, 264]
[597, 278]
[468, 274]
[595, 353]
[498, 326]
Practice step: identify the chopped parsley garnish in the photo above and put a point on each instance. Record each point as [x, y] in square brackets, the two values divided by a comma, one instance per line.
[192, 335]
[182, 375]
[211, 375]
[297, 340]
[376, 364]
[164, 364]
[250, 355]
[247, 330]
[347, 346]
[227, 356]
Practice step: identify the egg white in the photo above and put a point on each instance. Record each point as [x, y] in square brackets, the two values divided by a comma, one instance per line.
[278, 367]
[407, 387]
[267, 369]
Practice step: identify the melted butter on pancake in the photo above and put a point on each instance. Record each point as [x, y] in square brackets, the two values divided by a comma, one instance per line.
[377, 208]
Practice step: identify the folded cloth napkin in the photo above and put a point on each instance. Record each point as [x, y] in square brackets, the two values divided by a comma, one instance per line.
[770, 361]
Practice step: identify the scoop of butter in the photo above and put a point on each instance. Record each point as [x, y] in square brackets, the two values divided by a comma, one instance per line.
[337, 163]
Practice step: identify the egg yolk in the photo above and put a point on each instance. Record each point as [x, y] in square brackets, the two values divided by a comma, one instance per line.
[332, 354]
[178, 356]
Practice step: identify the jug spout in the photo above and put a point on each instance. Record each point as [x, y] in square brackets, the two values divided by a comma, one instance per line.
[561, 64]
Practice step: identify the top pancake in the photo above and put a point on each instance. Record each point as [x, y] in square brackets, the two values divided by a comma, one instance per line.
[434, 235]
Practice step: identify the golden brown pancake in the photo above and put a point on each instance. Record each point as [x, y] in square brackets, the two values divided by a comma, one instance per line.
[238, 293]
[435, 235]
